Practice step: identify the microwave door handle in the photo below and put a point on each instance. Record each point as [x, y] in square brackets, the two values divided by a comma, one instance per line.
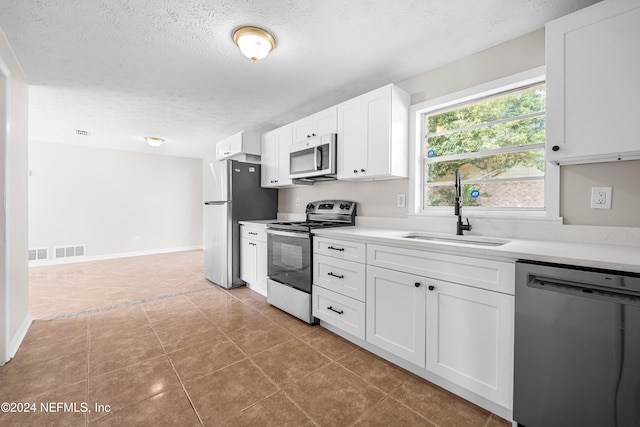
[317, 163]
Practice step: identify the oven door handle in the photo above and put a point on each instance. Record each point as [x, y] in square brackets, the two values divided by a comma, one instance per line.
[294, 234]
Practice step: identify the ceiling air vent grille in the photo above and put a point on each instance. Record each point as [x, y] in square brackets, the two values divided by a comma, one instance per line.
[82, 132]
[69, 251]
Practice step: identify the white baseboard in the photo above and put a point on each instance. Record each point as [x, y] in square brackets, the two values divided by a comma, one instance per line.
[16, 340]
[71, 260]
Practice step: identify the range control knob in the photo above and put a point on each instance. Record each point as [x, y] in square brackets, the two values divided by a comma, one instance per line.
[345, 206]
[310, 206]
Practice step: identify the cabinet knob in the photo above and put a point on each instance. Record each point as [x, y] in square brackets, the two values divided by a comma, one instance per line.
[555, 148]
[431, 287]
[361, 170]
[417, 284]
[355, 171]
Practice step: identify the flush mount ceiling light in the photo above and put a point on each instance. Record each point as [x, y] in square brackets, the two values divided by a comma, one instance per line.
[254, 43]
[154, 141]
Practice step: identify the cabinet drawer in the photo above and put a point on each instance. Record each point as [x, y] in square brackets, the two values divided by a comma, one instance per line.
[338, 275]
[480, 273]
[340, 311]
[254, 233]
[352, 251]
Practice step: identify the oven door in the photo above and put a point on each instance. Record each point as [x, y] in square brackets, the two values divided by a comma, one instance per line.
[289, 258]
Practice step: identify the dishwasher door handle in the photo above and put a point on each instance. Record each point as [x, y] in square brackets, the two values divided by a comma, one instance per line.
[586, 290]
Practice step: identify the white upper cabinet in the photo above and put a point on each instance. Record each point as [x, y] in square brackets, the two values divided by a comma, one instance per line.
[239, 143]
[373, 137]
[317, 124]
[593, 84]
[275, 157]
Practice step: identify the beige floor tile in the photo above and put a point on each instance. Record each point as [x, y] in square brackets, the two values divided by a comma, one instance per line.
[131, 384]
[390, 412]
[115, 353]
[290, 361]
[274, 411]
[259, 337]
[194, 333]
[19, 381]
[225, 393]
[61, 329]
[171, 408]
[205, 358]
[65, 406]
[328, 343]
[439, 406]
[377, 371]
[333, 396]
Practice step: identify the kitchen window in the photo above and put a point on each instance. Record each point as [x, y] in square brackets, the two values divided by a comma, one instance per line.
[495, 135]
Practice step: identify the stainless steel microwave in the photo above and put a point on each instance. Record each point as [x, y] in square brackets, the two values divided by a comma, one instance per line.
[313, 159]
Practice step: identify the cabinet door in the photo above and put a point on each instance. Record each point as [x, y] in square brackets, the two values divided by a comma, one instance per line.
[352, 148]
[325, 121]
[247, 260]
[284, 140]
[470, 338]
[592, 84]
[302, 129]
[376, 110]
[269, 160]
[395, 312]
[260, 284]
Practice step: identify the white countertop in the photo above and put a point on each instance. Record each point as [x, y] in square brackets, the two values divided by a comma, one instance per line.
[258, 222]
[612, 257]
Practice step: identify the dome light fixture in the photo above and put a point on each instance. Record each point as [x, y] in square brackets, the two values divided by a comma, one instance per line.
[154, 141]
[254, 43]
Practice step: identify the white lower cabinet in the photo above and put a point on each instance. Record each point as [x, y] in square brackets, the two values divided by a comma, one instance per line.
[339, 310]
[470, 338]
[253, 258]
[449, 315]
[396, 313]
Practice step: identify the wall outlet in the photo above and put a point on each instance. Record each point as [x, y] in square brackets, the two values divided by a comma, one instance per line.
[297, 201]
[401, 200]
[136, 239]
[600, 197]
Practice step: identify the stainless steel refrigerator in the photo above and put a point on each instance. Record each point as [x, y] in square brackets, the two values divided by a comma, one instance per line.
[232, 193]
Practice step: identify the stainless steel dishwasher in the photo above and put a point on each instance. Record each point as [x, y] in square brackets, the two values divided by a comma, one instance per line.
[577, 347]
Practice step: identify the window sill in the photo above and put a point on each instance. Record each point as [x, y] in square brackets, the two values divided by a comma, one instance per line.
[523, 215]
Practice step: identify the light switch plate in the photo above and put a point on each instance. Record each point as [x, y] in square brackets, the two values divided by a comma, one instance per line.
[401, 200]
[600, 197]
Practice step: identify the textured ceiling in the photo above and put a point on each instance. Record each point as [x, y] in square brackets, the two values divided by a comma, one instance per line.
[125, 69]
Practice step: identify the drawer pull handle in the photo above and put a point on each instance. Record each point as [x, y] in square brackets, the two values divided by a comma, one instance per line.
[339, 276]
[336, 249]
[252, 233]
[334, 310]
[431, 287]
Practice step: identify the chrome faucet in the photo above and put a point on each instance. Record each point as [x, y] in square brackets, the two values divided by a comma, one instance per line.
[458, 206]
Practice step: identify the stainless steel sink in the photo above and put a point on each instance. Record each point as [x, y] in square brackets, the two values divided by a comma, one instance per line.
[478, 241]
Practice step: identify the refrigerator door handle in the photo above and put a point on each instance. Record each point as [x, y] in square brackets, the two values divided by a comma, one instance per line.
[215, 202]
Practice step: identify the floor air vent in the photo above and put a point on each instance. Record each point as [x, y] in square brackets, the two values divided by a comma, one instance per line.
[69, 251]
[38, 254]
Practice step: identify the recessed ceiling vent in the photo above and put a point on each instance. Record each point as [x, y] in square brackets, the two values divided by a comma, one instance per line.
[81, 132]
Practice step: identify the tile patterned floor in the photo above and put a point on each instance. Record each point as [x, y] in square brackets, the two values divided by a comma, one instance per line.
[206, 357]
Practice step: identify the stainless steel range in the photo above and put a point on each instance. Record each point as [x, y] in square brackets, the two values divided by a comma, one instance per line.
[289, 251]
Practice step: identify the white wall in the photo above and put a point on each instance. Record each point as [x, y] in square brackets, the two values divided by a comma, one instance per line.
[14, 290]
[114, 202]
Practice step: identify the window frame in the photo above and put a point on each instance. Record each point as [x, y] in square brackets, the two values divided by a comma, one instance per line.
[417, 148]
